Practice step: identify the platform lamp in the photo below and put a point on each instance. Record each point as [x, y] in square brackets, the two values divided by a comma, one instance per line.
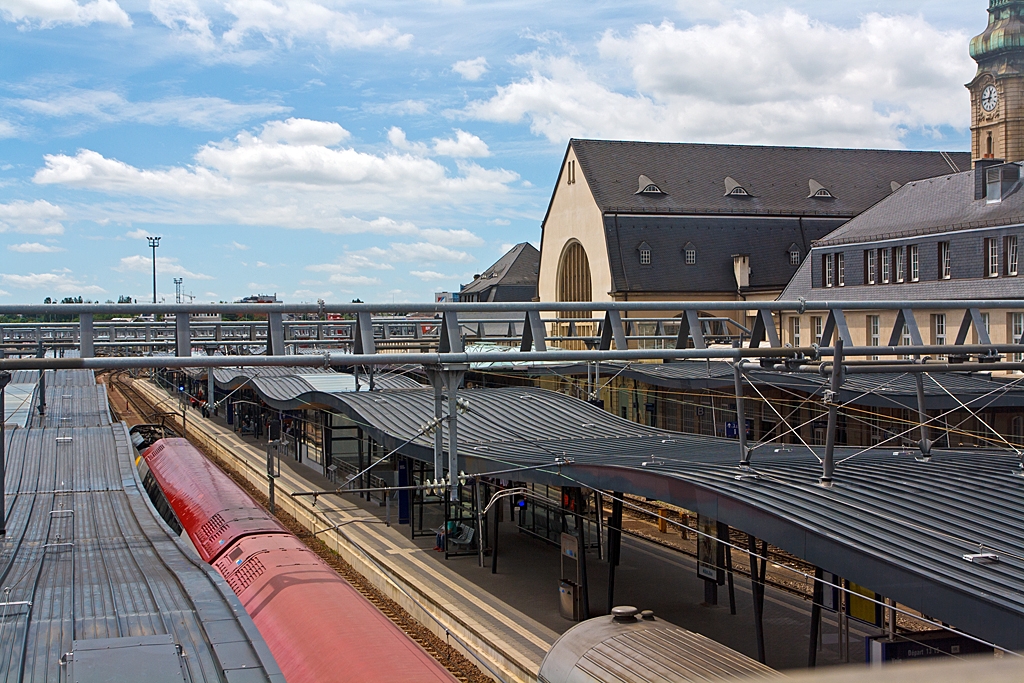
[5, 378]
[154, 242]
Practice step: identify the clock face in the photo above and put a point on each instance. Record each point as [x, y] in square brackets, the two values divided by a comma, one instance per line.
[989, 98]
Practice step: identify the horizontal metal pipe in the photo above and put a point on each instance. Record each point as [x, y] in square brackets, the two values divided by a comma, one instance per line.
[264, 309]
[347, 359]
[923, 367]
[909, 350]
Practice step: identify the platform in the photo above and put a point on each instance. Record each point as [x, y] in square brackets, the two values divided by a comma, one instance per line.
[88, 569]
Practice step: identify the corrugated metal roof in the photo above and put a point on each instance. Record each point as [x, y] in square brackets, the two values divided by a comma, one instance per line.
[134, 574]
[896, 525]
[873, 390]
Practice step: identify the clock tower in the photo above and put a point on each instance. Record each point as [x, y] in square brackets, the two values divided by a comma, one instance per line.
[997, 91]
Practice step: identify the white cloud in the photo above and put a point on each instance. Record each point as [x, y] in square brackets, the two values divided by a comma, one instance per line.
[237, 246]
[34, 248]
[106, 106]
[261, 264]
[430, 253]
[454, 238]
[795, 81]
[353, 280]
[464, 145]
[164, 266]
[277, 23]
[500, 221]
[137, 234]
[186, 20]
[402, 108]
[33, 218]
[309, 295]
[4, 292]
[49, 13]
[292, 174]
[8, 129]
[431, 275]
[304, 132]
[471, 69]
[398, 140]
[92, 170]
[61, 282]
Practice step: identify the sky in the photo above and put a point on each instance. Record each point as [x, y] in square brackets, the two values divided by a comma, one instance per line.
[387, 151]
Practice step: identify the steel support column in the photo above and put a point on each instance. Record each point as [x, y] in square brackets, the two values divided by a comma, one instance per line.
[614, 545]
[818, 598]
[828, 462]
[741, 415]
[5, 378]
[275, 335]
[757, 595]
[211, 389]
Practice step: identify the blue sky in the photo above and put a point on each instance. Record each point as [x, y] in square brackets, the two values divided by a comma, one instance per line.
[386, 151]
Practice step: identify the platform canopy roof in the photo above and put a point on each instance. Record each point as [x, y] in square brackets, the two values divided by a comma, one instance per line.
[896, 525]
[943, 391]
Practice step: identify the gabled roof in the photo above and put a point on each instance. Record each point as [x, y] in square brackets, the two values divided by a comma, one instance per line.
[940, 204]
[692, 176]
[519, 267]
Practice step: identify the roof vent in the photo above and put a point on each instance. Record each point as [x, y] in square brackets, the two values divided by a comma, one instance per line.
[734, 189]
[625, 614]
[894, 186]
[647, 186]
[818, 191]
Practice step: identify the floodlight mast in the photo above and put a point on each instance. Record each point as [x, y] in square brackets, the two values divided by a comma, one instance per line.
[154, 242]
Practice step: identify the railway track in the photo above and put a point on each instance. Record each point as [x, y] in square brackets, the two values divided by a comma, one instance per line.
[136, 407]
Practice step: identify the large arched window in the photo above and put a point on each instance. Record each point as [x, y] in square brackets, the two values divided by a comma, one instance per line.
[574, 277]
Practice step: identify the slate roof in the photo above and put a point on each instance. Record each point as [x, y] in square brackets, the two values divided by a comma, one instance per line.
[692, 176]
[961, 288]
[934, 205]
[517, 269]
[715, 238]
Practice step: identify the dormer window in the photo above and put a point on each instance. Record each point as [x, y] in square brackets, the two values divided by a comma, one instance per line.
[734, 189]
[794, 255]
[690, 254]
[645, 253]
[647, 186]
[818, 191]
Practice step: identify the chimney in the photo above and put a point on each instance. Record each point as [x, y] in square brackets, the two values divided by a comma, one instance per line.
[980, 191]
[741, 270]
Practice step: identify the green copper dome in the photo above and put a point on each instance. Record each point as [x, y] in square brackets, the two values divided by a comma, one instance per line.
[1005, 30]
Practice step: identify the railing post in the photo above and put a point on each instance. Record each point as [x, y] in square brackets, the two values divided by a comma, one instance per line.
[182, 336]
[85, 333]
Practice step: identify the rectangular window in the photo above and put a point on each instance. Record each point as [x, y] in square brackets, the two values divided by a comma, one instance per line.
[985, 321]
[900, 263]
[869, 267]
[1017, 331]
[826, 268]
[939, 331]
[906, 340]
[991, 257]
[915, 263]
[945, 261]
[816, 326]
[841, 269]
[645, 257]
[794, 331]
[1010, 254]
[873, 332]
[883, 256]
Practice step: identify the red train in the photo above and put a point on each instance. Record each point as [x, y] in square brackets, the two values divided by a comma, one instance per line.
[317, 626]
